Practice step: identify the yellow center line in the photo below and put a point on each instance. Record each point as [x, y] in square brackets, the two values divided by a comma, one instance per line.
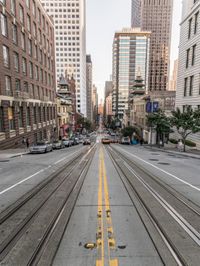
[110, 231]
[100, 233]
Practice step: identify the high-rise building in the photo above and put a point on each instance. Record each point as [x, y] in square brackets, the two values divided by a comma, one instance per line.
[173, 80]
[156, 16]
[89, 87]
[109, 105]
[27, 74]
[130, 54]
[95, 104]
[188, 81]
[135, 13]
[70, 43]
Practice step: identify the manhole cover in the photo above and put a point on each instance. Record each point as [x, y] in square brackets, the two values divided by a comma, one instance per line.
[154, 160]
[164, 163]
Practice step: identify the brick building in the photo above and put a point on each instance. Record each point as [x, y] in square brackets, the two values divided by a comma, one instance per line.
[27, 73]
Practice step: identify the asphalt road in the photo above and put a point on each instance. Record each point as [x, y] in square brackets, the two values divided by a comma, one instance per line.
[18, 175]
[105, 227]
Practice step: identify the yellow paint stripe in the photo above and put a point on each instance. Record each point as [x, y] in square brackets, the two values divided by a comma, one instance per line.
[113, 262]
[110, 235]
[100, 233]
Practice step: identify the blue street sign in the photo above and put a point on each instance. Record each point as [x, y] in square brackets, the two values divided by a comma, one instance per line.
[148, 107]
[152, 107]
[155, 106]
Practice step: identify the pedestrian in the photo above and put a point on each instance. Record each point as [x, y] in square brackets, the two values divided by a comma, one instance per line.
[27, 143]
[180, 145]
[141, 141]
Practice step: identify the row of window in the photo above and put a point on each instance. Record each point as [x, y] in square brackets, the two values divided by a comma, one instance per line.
[189, 86]
[42, 38]
[34, 71]
[39, 115]
[32, 90]
[193, 21]
[191, 53]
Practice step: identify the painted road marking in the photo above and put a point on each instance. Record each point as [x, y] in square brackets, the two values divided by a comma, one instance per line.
[156, 167]
[31, 176]
[103, 185]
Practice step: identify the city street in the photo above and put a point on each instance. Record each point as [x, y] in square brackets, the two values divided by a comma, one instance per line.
[133, 206]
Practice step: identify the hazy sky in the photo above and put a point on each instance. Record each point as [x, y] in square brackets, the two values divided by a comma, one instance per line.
[104, 17]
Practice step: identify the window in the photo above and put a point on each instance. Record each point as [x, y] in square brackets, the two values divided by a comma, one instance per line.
[25, 86]
[6, 60]
[2, 129]
[196, 22]
[35, 51]
[4, 26]
[23, 42]
[191, 85]
[11, 118]
[21, 14]
[14, 33]
[28, 3]
[39, 16]
[189, 30]
[3, 2]
[187, 58]
[185, 86]
[16, 61]
[17, 85]
[20, 117]
[13, 6]
[28, 23]
[34, 30]
[29, 47]
[31, 70]
[193, 54]
[36, 73]
[8, 85]
[24, 67]
[34, 9]
[28, 116]
[34, 115]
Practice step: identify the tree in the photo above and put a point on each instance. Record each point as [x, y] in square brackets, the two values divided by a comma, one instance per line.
[128, 131]
[186, 122]
[160, 122]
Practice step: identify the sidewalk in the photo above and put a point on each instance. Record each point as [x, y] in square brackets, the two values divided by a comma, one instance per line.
[170, 149]
[12, 153]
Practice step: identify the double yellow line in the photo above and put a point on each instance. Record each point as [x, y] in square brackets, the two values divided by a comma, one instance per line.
[104, 218]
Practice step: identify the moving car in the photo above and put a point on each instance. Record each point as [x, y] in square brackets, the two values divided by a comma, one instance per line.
[106, 141]
[41, 147]
[66, 142]
[86, 141]
[58, 144]
[125, 140]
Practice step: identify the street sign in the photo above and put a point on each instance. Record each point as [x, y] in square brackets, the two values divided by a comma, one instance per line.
[148, 107]
[155, 106]
[152, 107]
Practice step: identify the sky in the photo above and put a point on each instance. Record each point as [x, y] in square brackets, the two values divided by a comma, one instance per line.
[103, 18]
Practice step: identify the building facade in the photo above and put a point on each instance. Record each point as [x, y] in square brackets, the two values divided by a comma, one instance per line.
[70, 43]
[135, 13]
[95, 101]
[188, 82]
[130, 54]
[173, 80]
[156, 16]
[27, 74]
[89, 87]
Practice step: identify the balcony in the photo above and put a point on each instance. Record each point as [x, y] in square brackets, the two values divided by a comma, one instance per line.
[21, 95]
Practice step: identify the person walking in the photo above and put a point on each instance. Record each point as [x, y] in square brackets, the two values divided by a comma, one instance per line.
[27, 143]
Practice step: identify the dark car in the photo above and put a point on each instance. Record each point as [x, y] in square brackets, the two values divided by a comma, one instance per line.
[86, 141]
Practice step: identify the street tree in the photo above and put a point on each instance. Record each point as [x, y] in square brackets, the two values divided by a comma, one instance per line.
[161, 123]
[128, 131]
[186, 122]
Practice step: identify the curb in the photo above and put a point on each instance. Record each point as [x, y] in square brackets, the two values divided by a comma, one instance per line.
[175, 153]
[18, 155]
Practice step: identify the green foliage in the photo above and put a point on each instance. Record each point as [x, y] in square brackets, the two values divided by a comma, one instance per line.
[128, 131]
[85, 123]
[190, 143]
[159, 121]
[186, 122]
[174, 141]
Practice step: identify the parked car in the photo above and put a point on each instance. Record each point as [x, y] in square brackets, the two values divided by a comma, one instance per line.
[86, 141]
[125, 140]
[41, 147]
[76, 141]
[58, 144]
[66, 142]
[106, 141]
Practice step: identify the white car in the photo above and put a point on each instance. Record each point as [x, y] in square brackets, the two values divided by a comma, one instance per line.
[66, 142]
[41, 147]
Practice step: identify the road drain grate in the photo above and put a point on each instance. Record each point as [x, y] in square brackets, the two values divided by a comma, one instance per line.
[164, 163]
[154, 160]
